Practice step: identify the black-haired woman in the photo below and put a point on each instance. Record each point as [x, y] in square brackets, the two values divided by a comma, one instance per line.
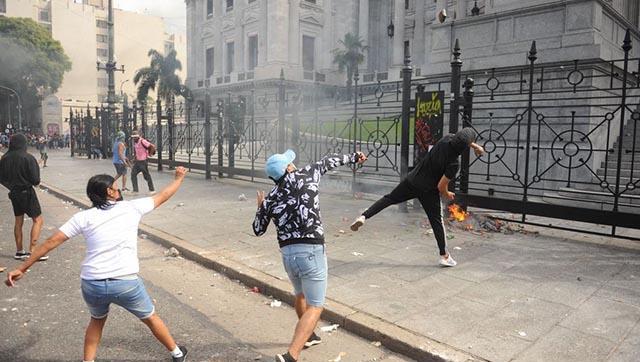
[110, 268]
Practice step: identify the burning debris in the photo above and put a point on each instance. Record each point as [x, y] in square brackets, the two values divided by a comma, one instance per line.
[477, 223]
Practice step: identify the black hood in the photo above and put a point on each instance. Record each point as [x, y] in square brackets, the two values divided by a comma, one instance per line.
[463, 138]
[18, 143]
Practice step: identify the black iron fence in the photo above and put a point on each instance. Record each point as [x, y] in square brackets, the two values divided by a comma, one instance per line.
[560, 138]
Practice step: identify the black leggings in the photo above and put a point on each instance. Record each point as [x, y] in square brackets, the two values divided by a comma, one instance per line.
[430, 203]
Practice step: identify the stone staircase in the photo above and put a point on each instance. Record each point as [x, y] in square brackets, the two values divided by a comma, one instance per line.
[596, 197]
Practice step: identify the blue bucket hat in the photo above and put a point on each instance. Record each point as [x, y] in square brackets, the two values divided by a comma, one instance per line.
[277, 164]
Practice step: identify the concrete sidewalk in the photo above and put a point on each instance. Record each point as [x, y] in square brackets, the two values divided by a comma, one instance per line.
[552, 296]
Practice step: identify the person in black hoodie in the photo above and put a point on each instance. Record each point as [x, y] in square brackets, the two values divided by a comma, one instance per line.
[428, 181]
[19, 172]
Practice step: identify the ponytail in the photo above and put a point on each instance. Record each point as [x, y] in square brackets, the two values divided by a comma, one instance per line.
[97, 191]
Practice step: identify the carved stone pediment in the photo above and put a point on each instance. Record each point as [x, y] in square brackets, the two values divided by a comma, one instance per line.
[208, 30]
[311, 14]
[251, 15]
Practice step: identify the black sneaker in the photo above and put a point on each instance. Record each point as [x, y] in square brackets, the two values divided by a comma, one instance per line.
[184, 355]
[312, 341]
[285, 357]
[20, 255]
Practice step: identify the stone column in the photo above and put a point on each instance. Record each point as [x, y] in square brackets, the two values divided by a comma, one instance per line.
[418, 58]
[294, 32]
[398, 37]
[329, 37]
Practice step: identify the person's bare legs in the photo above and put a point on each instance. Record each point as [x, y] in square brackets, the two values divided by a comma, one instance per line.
[124, 181]
[35, 231]
[300, 305]
[306, 324]
[17, 232]
[92, 338]
[160, 331]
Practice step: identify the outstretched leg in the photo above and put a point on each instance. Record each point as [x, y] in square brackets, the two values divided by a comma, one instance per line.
[403, 192]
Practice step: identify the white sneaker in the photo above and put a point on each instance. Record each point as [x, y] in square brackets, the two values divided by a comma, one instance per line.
[358, 223]
[448, 261]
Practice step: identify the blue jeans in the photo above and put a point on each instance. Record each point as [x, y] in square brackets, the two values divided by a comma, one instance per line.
[306, 266]
[129, 294]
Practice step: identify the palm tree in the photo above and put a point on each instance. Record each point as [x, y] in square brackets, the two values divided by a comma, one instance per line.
[349, 56]
[161, 74]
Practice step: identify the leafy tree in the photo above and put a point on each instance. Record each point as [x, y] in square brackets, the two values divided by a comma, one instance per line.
[160, 74]
[32, 62]
[349, 56]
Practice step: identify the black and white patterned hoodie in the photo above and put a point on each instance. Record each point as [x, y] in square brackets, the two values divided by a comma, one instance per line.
[294, 203]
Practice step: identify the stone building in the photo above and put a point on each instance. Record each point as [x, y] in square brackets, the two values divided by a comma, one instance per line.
[235, 41]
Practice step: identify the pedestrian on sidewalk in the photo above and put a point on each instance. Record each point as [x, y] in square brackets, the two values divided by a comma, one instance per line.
[120, 160]
[109, 272]
[293, 204]
[19, 172]
[141, 150]
[43, 147]
[428, 181]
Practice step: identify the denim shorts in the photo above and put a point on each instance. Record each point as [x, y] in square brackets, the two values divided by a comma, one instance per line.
[306, 265]
[129, 294]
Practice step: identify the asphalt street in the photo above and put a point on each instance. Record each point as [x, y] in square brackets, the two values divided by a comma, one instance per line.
[44, 317]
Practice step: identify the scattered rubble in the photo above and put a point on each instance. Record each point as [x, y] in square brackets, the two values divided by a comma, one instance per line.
[275, 303]
[242, 197]
[329, 329]
[172, 252]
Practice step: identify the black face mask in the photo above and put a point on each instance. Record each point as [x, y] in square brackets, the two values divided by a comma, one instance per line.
[120, 198]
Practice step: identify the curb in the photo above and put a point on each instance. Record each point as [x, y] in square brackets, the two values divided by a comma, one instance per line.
[391, 336]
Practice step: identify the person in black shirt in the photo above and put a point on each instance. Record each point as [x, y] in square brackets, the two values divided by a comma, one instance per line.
[427, 182]
[19, 173]
[294, 206]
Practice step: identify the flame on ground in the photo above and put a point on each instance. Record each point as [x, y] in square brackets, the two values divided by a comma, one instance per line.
[457, 213]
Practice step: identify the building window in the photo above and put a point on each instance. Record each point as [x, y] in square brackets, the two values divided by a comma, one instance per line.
[3, 6]
[102, 38]
[407, 48]
[230, 58]
[311, 1]
[209, 8]
[209, 62]
[43, 15]
[103, 52]
[229, 5]
[102, 24]
[253, 52]
[406, 4]
[308, 52]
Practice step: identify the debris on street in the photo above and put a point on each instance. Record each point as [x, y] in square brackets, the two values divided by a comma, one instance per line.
[172, 252]
[329, 329]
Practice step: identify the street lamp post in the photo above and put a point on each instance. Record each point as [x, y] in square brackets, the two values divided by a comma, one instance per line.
[19, 105]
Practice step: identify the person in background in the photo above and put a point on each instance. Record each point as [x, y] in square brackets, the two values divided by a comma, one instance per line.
[19, 172]
[140, 164]
[120, 160]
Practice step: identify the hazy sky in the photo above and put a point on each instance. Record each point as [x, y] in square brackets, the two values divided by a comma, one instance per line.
[173, 11]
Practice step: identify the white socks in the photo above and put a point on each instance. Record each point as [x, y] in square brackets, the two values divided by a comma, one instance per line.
[177, 353]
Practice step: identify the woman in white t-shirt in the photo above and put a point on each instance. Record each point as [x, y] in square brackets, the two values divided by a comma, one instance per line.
[109, 272]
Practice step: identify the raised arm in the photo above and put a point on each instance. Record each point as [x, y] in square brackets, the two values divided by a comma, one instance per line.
[166, 193]
[330, 162]
[41, 250]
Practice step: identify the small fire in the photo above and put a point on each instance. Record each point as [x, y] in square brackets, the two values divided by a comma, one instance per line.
[457, 213]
